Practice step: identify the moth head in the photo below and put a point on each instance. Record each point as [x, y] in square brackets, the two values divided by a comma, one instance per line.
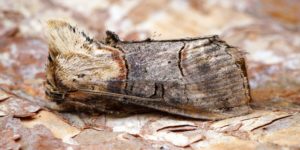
[76, 60]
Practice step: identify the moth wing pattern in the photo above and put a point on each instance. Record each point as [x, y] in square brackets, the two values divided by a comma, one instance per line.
[200, 78]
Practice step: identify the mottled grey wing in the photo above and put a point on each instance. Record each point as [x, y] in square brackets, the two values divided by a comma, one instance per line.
[200, 78]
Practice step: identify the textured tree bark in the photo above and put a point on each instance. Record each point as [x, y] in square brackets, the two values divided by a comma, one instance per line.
[199, 77]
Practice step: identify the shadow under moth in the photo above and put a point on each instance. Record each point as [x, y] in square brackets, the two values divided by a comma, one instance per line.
[200, 77]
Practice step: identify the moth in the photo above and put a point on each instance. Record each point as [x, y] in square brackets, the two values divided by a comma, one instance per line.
[201, 77]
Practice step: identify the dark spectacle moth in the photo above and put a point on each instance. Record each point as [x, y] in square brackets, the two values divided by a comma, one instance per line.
[200, 77]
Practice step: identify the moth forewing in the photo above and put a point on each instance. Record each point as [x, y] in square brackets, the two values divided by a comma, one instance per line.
[198, 77]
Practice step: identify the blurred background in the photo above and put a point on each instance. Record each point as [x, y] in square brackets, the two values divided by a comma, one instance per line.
[269, 31]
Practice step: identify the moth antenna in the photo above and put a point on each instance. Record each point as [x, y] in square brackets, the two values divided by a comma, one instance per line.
[116, 95]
